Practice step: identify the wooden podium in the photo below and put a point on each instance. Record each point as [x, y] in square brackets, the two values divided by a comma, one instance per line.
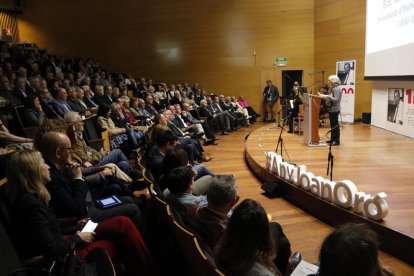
[312, 105]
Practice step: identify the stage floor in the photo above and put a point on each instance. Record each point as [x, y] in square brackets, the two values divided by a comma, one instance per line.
[376, 160]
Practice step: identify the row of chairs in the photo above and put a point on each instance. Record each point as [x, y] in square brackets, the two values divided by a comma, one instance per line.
[198, 261]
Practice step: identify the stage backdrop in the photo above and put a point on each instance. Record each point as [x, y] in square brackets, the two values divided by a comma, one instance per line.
[345, 70]
[393, 106]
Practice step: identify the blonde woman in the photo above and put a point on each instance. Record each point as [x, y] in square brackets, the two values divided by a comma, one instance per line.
[37, 232]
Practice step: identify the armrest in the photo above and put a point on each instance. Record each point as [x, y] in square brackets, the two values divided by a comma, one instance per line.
[96, 144]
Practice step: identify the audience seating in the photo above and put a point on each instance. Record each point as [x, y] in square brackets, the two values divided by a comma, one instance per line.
[92, 138]
[28, 132]
[198, 261]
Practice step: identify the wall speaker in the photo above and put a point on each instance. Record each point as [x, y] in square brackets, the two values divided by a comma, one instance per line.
[271, 189]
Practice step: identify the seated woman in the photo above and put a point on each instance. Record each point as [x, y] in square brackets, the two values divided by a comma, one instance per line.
[245, 104]
[352, 249]
[253, 256]
[117, 135]
[124, 104]
[33, 113]
[12, 141]
[37, 232]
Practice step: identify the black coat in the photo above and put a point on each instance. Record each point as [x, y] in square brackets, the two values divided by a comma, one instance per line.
[36, 230]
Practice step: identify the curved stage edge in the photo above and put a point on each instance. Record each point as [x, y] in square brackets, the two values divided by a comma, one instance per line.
[391, 241]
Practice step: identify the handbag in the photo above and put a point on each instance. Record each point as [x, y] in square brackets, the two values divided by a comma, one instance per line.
[97, 262]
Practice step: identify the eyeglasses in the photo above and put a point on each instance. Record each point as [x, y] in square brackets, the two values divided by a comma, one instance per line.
[66, 148]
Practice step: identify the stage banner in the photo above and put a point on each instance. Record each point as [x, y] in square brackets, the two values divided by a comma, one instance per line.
[345, 70]
[400, 109]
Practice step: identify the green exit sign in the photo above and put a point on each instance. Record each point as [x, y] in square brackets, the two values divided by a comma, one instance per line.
[280, 61]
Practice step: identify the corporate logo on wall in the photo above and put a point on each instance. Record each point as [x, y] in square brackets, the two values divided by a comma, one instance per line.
[343, 193]
[400, 106]
[345, 70]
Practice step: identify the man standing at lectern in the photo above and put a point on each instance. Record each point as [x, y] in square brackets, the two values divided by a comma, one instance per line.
[334, 98]
[271, 96]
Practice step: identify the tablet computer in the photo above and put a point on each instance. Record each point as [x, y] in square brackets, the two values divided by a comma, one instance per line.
[108, 202]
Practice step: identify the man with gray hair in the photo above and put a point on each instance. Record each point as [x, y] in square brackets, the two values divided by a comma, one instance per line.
[211, 221]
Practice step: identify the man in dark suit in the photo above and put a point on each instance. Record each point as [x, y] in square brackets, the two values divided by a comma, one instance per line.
[99, 96]
[212, 117]
[187, 117]
[88, 97]
[70, 196]
[60, 104]
[271, 96]
[20, 93]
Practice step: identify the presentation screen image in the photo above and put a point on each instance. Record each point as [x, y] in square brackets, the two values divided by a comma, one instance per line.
[389, 43]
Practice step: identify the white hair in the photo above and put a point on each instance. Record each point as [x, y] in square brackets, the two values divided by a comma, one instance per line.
[334, 79]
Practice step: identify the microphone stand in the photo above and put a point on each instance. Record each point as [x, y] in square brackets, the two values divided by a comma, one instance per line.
[278, 116]
[280, 139]
[329, 170]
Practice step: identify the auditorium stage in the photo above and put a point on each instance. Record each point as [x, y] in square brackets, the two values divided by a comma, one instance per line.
[376, 160]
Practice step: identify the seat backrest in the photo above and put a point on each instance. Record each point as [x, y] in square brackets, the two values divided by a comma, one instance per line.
[8, 256]
[197, 261]
[90, 128]
[28, 132]
[195, 114]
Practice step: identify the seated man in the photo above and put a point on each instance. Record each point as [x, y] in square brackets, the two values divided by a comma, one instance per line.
[91, 157]
[211, 221]
[206, 111]
[69, 192]
[180, 184]
[189, 119]
[186, 140]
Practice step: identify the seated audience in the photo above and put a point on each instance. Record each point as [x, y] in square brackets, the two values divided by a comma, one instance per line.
[91, 157]
[59, 103]
[211, 221]
[33, 113]
[70, 196]
[36, 231]
[13, 141]
[118, 136]
[245, 104]
[180, 184]
[176, 157]
[351, 250]
[253, 256]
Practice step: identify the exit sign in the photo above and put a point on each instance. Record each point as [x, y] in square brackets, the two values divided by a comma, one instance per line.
[280, 61]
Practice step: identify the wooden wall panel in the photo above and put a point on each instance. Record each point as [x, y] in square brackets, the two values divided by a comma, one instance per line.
[340, 35]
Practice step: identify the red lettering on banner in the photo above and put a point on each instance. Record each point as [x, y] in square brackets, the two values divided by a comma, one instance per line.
[410, 96]
[348, 91]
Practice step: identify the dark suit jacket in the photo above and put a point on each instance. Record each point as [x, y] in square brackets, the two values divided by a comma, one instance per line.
[68, 197]
[36, 231]
[273, 93]
[154, 163]
[90, 102]
[73, 104]
[99, 100]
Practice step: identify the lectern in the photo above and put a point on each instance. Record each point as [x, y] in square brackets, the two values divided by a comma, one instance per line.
[312, 105]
